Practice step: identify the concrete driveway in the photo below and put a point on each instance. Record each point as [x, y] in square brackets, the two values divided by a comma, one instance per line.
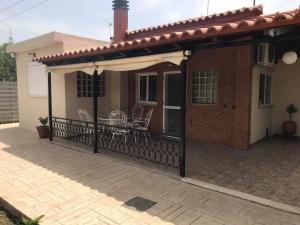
[74, 187]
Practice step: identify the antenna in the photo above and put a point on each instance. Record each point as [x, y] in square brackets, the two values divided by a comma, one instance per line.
[10, 39]
[110, 36]
[207, 10]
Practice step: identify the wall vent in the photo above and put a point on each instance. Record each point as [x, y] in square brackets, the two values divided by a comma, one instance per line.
[140, 204]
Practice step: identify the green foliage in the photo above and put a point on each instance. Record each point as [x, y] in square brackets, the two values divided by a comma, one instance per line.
[32, 222]
[7, 65]
[291, 109]
[43, 121]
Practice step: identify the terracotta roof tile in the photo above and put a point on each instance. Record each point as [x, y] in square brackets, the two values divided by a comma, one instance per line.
[246, 25]
[199, 21]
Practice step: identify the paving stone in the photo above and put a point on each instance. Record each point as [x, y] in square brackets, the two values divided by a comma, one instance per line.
[71, 187]
[270, 169]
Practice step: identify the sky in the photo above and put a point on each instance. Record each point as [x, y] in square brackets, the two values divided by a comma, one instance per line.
[91, 18]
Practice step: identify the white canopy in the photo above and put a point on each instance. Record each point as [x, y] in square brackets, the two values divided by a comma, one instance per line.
[127, 64]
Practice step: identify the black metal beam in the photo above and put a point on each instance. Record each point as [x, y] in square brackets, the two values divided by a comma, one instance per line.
[122, 54]
[184, 75]
[95, 110]
[147, 50]
[50, 107]
[177, 46]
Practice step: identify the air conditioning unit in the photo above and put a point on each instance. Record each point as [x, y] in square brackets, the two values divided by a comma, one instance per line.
[265, 54]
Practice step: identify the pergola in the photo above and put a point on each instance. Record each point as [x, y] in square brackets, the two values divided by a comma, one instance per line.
[97, 68]
[175, 48]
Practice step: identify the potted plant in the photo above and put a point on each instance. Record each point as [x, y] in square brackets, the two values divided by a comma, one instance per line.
[289, 128]
[43, 130]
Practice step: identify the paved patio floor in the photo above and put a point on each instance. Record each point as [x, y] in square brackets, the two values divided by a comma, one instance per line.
[73, 187]
[270, 169]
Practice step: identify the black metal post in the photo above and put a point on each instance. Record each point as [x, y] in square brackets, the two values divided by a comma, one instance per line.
[184, 76]
[50, 107]
[95, 110]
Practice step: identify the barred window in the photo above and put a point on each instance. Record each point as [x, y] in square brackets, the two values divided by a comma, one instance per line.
[85, 85]
[205, 87]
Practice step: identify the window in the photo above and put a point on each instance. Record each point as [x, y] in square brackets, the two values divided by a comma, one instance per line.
[37, 80]
[85, 85]
[205, 87]
[147, 87]
[265, 83]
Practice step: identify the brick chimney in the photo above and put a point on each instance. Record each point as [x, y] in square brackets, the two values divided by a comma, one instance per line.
[120, 8]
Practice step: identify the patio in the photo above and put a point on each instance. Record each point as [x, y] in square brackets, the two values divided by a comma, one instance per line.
[75, 187]
[270, 169]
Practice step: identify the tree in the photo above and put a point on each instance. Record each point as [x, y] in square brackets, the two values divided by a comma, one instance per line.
[7, 65]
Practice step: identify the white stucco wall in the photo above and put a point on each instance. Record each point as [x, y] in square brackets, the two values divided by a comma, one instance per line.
[73, 103]
[285, 91]
[116, 96]
[31, 108]
[261, 117]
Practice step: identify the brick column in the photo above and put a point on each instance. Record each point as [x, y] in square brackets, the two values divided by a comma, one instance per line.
[244, 64]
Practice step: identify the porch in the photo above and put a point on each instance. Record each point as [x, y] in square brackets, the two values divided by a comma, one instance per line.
[270, 169]
[219, 119]
[102, 90]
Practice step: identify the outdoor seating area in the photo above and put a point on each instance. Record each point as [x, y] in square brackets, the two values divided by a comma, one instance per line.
[118, 121]
[120, 133]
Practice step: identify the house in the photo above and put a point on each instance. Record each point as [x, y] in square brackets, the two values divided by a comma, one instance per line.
[219, 79]
[32, 87]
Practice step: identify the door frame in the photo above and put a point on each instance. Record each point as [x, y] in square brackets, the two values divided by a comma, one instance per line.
[174, 72]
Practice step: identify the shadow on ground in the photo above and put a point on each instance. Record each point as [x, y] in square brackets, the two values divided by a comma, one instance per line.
[65, 184]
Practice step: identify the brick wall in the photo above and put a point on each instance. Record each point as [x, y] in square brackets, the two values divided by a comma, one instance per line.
[157, 118]
[228, 121]
[244, 65]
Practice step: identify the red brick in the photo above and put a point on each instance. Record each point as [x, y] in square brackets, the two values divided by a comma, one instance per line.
[228, 121]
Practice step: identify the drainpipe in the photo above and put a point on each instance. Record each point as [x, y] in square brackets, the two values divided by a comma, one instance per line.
[95, 110]
[184, 77]
[50, 107]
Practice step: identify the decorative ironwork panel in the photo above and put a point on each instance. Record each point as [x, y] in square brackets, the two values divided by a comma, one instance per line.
[73, 130]
[140, 144]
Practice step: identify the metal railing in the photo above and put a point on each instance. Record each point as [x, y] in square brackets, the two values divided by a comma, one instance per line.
[133, 142]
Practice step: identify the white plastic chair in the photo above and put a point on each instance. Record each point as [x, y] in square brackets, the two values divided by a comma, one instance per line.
[118, 119]
[143, 125]
[137, 113]
[86, 118]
